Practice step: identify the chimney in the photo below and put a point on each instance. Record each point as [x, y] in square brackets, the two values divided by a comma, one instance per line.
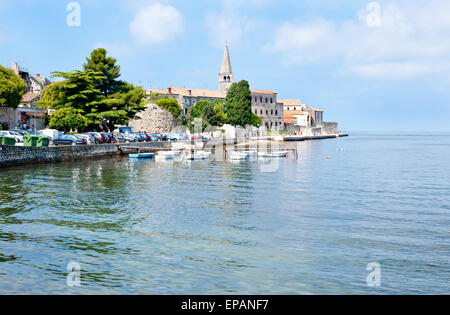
[38, 75]
[190, 92]
[169, 90]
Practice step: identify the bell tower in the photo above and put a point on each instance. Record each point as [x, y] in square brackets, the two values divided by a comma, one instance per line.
[226, 77]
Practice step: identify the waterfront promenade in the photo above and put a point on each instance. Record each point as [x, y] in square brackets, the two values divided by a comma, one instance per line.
[20, 155]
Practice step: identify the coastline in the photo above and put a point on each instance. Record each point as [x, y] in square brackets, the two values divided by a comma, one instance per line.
[11, 156]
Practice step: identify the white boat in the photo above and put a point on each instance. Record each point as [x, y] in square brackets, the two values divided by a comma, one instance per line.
[277, 154]
[200, 155]
[251, 154]
[169, 155]
[236, 156]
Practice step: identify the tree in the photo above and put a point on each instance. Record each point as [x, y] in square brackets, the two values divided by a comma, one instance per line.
[12, 88]
[239, 104]
[220, 114]
[209, 114]
[51, 97]
[82, 90]
[171, 105]
[67, 119]
[98, 62]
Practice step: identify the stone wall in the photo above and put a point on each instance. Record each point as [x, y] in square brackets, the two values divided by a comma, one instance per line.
[153, 120]
[18, 155]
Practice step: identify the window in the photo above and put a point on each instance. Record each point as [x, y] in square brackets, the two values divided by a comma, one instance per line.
[267, 113]
[276, 113]
[261, 99]
[271, 101]
[261, 111]
[271, 112]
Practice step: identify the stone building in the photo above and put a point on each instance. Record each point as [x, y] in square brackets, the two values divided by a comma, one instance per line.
[264, 103]
[305, 119]
[28, 112]
[266, 106]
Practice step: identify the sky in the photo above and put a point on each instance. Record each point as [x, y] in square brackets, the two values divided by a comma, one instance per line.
[371, 66]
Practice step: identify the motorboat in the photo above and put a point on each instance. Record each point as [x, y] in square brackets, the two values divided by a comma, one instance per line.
[142, 156]
[275, 154]
[199, 155]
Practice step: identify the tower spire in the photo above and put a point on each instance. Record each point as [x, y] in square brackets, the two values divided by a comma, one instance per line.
[226, 77]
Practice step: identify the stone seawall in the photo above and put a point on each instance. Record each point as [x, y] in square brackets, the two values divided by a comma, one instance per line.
[15, 155]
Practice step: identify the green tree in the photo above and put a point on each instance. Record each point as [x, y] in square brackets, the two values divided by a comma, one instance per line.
[209, 114]
[51, 97]
[196, 111]
[220, 114]
[79, 91]
[12, 88]
[171, 105]
[239, 104]
[68, 119]
[98, 62]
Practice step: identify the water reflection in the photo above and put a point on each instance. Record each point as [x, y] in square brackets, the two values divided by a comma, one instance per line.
[210, 227]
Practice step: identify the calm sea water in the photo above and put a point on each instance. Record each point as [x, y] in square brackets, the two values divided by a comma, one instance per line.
[310, 227]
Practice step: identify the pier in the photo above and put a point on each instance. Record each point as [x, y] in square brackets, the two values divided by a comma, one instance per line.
[309, 138]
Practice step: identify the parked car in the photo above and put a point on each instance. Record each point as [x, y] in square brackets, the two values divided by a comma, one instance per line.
[107, 137]
[89, 139]
[66, 139]
[99, 139]
[156, 137]
[169, 137]
[11, 134]
[122, 137]
[147, 137]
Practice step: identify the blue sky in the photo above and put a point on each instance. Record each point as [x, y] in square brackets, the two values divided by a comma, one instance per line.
[370, 65]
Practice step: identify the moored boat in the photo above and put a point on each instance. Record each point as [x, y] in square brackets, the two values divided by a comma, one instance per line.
[236, 156]
[142, 156]
[276, 154]
[199, 155]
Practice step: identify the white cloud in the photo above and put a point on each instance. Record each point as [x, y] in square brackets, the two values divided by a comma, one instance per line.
[411, 40]
[155, 24]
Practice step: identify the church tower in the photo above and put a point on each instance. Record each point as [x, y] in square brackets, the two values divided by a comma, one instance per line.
[226, 77]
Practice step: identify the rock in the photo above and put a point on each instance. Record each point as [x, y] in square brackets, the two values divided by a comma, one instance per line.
[153, 120]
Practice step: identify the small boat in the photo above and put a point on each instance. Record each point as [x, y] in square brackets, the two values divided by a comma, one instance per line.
[236, 156]
[251, 154]
[142, 156]
[278, 154]
[200, 155]
[169, 155]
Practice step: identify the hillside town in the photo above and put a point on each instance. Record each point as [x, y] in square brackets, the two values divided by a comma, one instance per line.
[289, 116]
